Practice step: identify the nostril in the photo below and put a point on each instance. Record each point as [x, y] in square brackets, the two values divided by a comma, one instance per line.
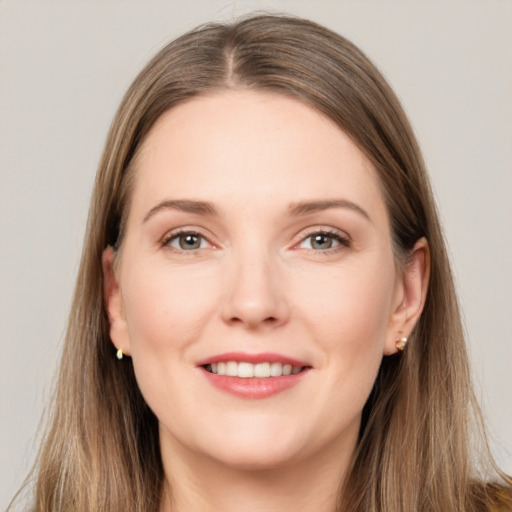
[254, 323]
[267, 320]
[254, 309]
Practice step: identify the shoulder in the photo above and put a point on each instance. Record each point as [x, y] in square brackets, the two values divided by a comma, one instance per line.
[491, 497]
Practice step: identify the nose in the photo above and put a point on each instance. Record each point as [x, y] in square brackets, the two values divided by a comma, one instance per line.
[255, 296]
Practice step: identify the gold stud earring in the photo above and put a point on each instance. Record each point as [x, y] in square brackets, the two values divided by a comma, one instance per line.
[400, 342]
[119, 354]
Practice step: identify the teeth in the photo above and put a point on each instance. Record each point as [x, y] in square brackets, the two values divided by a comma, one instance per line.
[262, 370]
[231, 369]
[276, 370]
[245, 370]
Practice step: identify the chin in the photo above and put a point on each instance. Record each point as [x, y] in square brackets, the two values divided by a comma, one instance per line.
[261, 445]
[254, 457]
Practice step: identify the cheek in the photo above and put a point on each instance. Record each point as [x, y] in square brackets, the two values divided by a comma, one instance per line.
[350, 304]
[347, 312]
[166, 309]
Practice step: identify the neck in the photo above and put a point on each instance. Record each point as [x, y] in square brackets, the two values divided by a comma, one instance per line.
[199, 485]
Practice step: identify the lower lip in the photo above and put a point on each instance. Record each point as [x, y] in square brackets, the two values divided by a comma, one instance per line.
[254, 388]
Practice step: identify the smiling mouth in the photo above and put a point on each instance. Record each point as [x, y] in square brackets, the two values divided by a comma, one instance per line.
[245, 370]
[253, 376]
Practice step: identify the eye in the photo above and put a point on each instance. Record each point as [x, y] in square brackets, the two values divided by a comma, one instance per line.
[186, 241]
[324, 241]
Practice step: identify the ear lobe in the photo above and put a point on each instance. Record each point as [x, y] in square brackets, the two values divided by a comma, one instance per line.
[113, 303]
[410, 295]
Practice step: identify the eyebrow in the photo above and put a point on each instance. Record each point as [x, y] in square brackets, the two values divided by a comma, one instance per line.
[183, 205]
[307, 207]
[295, 209]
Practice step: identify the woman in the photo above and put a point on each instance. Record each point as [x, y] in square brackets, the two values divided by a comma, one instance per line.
[264, 258]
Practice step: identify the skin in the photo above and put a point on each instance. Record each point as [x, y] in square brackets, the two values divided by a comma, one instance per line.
[257, 283]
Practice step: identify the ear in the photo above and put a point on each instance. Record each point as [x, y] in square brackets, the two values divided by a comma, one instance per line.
[114, 303]
[410, 295]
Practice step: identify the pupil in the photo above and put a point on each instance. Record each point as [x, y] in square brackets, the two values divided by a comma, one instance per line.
[321, 242]
[189, 242]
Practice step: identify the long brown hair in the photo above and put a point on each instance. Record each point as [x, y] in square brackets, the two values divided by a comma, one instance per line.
[101, 451]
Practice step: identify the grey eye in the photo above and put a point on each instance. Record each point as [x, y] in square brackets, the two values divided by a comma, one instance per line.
[321, 241]
[187, 241]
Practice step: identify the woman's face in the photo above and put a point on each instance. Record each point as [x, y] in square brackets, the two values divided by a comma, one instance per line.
[257, 243]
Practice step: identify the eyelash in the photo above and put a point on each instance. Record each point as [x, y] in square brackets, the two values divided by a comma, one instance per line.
[166, 242]
[343, 241]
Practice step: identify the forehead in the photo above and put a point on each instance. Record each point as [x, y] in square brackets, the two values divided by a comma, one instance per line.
[245, 147]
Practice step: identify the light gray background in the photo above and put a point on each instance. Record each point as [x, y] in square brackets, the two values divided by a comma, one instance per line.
[63, 69]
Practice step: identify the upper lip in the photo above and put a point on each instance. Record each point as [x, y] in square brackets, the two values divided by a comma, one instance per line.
[262, 357]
